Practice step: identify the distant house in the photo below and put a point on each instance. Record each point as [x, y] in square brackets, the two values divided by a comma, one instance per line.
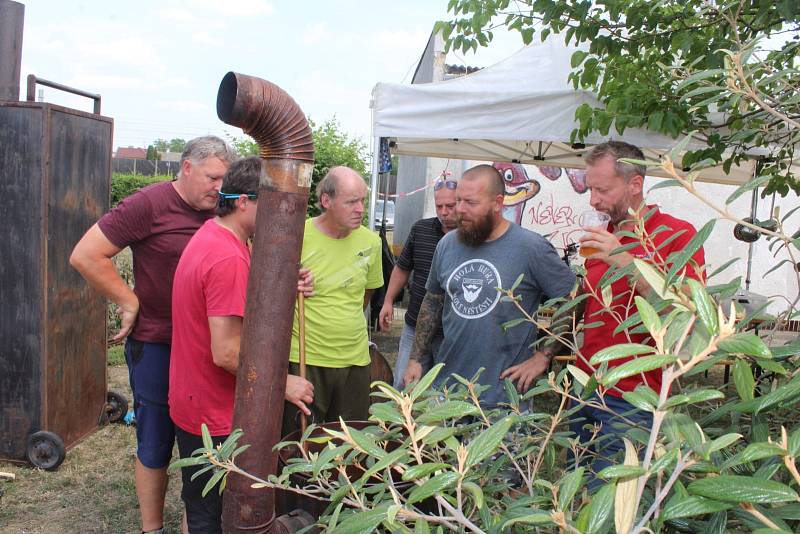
[131, 153]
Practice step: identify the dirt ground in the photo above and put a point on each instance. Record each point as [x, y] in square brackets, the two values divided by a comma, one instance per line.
[93, 490]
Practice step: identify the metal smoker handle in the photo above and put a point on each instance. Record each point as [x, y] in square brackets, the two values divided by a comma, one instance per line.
[33, 80]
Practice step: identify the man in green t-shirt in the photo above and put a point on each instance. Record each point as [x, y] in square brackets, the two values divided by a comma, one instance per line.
[345, 259]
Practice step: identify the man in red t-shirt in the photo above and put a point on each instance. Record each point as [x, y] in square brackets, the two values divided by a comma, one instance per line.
[615, 188]
[208, 303]
[157, 223]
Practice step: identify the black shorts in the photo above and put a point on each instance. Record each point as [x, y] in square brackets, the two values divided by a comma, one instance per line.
[203, 514]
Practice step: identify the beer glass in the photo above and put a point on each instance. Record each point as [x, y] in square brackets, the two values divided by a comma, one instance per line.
[593, 219]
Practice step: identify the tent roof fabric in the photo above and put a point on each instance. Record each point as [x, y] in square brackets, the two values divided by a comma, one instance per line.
[521, 109]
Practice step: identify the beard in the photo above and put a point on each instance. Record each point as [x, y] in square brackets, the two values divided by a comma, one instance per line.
[477, 232]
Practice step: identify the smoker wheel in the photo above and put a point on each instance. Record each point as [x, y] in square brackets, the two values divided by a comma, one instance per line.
[116, 407]
[45, 450]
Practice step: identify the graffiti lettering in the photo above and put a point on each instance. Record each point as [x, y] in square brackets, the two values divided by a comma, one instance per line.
[549, 213]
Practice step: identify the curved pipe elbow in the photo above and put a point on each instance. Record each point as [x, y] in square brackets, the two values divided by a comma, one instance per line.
[266, 113]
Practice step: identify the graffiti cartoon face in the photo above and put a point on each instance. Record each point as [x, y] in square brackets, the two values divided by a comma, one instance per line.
[519, 189]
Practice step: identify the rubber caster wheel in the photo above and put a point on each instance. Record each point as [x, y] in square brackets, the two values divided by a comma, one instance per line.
[116, 407]
[45, 450]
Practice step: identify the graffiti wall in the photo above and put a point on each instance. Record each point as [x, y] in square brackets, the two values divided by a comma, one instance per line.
[548, 200]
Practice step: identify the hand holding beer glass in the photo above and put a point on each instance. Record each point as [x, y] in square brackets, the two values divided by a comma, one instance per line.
[593, 219]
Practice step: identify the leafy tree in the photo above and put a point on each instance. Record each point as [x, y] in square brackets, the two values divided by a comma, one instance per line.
[177, 145]
[332, 147]
[673, 66]
[152, 153]
[161, 145]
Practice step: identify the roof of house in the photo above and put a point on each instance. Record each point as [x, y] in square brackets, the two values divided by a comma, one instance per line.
[131, 153]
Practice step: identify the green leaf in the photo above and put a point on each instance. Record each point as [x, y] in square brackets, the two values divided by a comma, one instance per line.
[654, 279]
[476, 492]
[517, 282]
[593, 517]
[386, 412]
[208, 444]
[745, 343]
[732, 488]
[706, 310]
[680, 260]
[664, 184]
[447, 410]
[748, 186]
[638, 400]
[423, 470]
[616, 352]
[487, 442]
[794, 443]
[579, 374]
[650, 318]
[753, 453]
[426, 381]
[723, 441]
[513, 322]
[433, 486]
[213, 481]
[621, 471]
[692, 506]
[704, 395]
[568, 486]
[634, 367]
[722, 267]
[743, 379]
[538, 518]
[366, 442]
[361, 522]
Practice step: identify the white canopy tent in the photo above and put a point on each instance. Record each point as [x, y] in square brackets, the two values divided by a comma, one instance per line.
[520, 110]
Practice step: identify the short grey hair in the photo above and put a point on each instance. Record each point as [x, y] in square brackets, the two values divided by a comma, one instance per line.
[618, 150]
[208, 146]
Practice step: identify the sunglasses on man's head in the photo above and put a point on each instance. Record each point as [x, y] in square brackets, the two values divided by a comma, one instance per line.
[226, 196]
[449, 184]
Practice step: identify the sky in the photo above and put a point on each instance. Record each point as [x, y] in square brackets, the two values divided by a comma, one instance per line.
[157, 65]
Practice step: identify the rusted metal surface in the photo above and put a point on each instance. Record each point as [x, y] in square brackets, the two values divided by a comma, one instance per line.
[12, 15]
[268, 114]
[33, 81]
[56, 178]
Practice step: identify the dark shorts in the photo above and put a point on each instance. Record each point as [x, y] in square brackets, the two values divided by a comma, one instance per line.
[203, 514]
[148, 370]
[338, 392]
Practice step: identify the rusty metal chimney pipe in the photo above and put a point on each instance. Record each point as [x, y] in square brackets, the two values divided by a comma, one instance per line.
[12, 17]
[265, 112]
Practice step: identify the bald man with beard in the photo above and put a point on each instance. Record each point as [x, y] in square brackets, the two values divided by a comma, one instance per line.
[487, 252]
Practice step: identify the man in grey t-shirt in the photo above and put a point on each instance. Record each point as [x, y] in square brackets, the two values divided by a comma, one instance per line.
[485, 253]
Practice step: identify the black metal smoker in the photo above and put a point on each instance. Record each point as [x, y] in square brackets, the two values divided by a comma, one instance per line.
[55, 169]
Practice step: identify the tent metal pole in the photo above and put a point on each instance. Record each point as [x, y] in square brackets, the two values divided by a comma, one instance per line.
[753, 213]
[373, 186]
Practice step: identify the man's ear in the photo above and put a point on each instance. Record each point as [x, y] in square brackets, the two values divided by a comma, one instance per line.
[637, 185]
[325, 200]
[498, 203]
[186, 167]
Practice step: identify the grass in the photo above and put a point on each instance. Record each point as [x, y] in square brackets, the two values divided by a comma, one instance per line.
[116, 355]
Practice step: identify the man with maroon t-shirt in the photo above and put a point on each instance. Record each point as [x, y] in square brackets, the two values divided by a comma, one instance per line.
[208, 303]
[616, 187]
[157, 223]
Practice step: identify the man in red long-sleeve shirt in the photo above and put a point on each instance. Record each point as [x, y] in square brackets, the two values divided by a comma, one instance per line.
[616, 188]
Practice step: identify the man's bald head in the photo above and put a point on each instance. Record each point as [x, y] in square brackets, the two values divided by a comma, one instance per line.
[335, 178]
[491, 176]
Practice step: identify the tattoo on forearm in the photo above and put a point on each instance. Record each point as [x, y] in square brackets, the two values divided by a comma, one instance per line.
[429, 320]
